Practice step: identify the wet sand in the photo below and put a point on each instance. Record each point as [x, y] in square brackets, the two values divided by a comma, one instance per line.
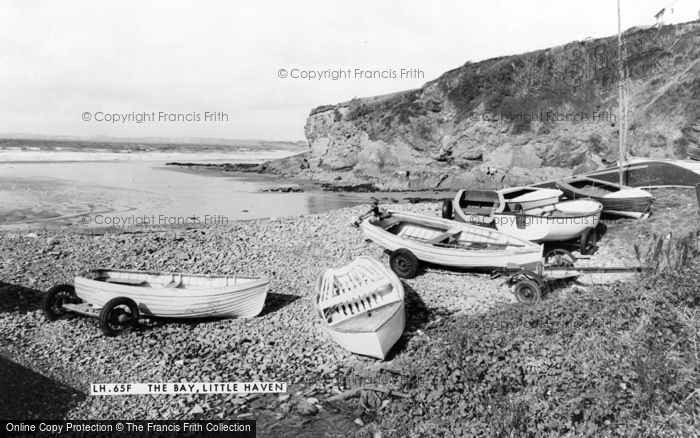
[45, 195]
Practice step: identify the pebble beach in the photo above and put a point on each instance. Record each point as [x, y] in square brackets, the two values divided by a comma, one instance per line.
[284, 344]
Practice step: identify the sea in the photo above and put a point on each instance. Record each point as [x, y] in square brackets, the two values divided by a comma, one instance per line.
[49, 184]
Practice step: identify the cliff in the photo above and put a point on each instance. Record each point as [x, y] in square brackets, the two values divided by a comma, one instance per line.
[514, 119]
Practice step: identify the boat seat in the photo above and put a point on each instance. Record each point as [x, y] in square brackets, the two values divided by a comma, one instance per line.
[361, 292]
[127, 281]
[482, 211]
[450, 234]
[390, 222]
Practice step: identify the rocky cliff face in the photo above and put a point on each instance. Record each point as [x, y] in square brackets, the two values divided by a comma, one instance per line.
[515, 119]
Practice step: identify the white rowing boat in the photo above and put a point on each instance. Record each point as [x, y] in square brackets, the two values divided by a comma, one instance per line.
[361, 306]
[170, 295]
[558, 222]
[449, 243]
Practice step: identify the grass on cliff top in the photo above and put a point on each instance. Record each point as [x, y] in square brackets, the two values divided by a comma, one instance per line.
[616, 360]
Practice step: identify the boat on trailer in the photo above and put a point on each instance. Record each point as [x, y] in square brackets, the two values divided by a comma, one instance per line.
[361, 306]
[119, 297]
[479, 206]
[558, 222]
[412, 238]
[616, 200]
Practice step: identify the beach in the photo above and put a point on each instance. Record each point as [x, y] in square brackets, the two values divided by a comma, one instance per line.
[284, 344]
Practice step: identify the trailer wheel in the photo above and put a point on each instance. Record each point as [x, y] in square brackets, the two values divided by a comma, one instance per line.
[588, 242]
[527, 291]
[559, 257]
[404, 263]
[118, 315]
[52, 303]
[447, 211]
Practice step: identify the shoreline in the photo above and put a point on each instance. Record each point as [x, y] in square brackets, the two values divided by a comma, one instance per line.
[65, 208]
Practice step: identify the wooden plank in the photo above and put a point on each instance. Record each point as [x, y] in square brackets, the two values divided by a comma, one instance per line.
[440, 237]
[355, 294]
[127, 281]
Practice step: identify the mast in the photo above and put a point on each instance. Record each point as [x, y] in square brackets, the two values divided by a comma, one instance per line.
[623, 123]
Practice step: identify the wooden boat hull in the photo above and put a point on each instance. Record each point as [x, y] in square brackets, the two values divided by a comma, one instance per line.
[479, 206]
[361, 306]
[204, 296]
[513, 250]
[626, 202]
[475, 206]
[526, 198]
[372, 343]
[531, 225]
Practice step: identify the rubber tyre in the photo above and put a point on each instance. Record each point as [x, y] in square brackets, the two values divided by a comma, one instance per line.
[527, 291]
[112, 316]
[52, 303]
[447, 212]
[404, 263]
[559, 257]
[588, 242]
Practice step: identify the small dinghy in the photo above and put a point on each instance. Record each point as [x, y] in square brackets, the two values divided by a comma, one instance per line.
[558, 222]
[119, 298]
[617, 201]
[413, 237]
[479, 206]
[361, 306]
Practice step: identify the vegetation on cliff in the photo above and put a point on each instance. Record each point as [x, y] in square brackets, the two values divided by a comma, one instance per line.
[517, 118]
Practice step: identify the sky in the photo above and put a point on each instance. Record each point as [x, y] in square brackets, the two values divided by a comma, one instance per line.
[242, 69]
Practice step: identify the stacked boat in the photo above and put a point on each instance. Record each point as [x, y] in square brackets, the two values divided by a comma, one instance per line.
[479, 206]
[616, 200]
[562, 221]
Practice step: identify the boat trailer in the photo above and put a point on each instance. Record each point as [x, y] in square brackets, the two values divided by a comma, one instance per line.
[117, 315]
[529, 285]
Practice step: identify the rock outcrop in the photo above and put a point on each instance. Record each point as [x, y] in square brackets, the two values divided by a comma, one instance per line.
[514, 119]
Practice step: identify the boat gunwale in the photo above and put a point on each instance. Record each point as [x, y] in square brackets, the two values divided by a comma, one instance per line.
[525, 248]
[572, 215]
[156, 273]
[400, 305]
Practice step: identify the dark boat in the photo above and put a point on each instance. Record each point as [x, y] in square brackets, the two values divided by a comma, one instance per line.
[616, 200]
[652, 172]
[693, 152]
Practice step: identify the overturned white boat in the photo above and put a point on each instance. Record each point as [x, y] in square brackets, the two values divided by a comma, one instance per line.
[361, 306]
